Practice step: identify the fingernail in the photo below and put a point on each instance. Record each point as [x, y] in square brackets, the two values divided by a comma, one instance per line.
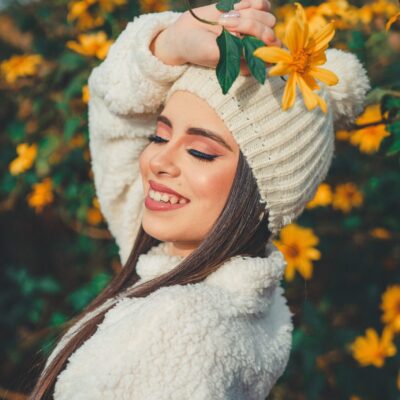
[230, 18]
[230, 15]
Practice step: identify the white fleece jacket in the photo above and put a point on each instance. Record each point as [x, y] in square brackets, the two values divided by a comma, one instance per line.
[228, 337]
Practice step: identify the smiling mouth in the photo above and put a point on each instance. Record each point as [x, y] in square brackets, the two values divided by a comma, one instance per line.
[166, 197]
[157, 201]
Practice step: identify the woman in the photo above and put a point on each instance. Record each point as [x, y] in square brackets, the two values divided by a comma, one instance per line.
[194, 185]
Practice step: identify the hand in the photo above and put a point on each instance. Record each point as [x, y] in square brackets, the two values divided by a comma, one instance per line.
[191, 41]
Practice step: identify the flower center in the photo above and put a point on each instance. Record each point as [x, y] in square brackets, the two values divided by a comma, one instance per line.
[301, 61]
[292, 251]
[350, 194]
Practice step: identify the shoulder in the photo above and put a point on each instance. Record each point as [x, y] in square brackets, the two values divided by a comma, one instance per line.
[183, 347]
[190, 306]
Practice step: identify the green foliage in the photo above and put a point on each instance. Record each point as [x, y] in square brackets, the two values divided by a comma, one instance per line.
[228, 67]
[80, 298]
[255, 64]
[231, 49]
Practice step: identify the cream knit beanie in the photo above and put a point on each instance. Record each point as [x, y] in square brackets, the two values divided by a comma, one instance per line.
[290, 151]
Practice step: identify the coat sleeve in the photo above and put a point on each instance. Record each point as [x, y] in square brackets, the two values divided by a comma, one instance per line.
[181, 352]
[127, 91]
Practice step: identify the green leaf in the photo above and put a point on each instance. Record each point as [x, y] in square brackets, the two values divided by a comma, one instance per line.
[390, 105]
[58, 318]
[16, 131]
[394, 129]
[394, 148]
[70, 127]
[70, 61]
[255, 64]
[352, 222]
[226, 5]
[81, 297]
[228, 67]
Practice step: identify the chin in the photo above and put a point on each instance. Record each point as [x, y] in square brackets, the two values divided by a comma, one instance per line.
[159, 230]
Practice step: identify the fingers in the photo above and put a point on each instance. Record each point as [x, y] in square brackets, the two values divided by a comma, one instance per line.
[252, 22]
[244, 69]
[264, 5]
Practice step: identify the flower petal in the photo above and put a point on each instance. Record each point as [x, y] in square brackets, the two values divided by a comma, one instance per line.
[300, 12]
[296, 35]
[272, 54]
[392, 21]
[323, 37]
[309, 96]
[289, 94]
[324, 75]
[318, 58]
[311, 82]
[302, 18]
[279, 69]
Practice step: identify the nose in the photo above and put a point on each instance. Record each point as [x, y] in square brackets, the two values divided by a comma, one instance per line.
[164, 161]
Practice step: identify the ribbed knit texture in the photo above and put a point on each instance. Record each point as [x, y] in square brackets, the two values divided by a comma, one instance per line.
[289, 152]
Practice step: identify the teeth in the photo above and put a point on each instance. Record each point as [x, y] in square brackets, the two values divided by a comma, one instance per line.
[164, 197]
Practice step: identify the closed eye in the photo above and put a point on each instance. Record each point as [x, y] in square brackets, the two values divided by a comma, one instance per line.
[195, 153]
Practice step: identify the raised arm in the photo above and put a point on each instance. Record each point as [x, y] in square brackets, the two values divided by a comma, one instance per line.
[126, 92]
[128, 89]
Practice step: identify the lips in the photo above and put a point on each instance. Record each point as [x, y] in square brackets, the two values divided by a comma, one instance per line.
[165, 189]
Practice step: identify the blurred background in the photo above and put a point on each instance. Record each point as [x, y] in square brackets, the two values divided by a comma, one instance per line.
[342, 280]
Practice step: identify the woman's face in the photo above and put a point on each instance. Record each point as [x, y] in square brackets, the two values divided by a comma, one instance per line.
[173, 160]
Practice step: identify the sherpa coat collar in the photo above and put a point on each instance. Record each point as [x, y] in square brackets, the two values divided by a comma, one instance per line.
[250, 280]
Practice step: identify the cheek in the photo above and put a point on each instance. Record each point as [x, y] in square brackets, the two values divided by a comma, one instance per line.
[211, 185]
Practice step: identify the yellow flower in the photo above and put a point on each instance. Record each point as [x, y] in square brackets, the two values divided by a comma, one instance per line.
[346, 196]
[383, 7]
[109, 5]
[306, 52]
[85, 94]
[323, 196]
[41, 195]
[345, 15]
[89, 13]
[80, 11]
[148, 6]
[372, 350]
[392, 21]
[77, 141]
[296, 243]
[343, 135]
[94, 216]
[26, 157]
[380, 233]
[16, 66]
[390, 306]
[365, 14]
[92, 44]
[369, 139]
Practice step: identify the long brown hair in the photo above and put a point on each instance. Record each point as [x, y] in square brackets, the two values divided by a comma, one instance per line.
[237, 231]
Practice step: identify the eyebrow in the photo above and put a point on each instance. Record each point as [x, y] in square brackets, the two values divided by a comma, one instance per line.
[197, 131]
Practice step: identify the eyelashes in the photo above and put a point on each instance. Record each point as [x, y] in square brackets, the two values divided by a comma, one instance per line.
[195, 153]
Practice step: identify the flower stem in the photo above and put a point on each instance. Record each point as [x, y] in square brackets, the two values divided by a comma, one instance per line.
[198, 18]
